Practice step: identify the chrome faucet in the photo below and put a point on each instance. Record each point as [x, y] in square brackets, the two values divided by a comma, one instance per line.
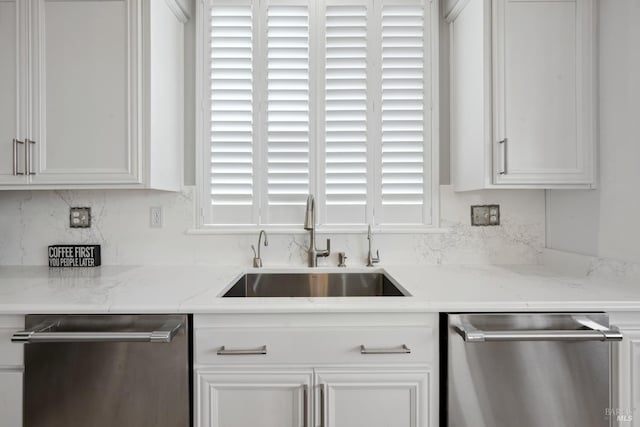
[310, 224]
[370, 258]
[257, 261]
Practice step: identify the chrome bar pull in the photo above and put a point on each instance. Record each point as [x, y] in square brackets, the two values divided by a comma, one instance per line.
[470, 334]
[503, 156]
[322, 405]
[28, 154]
[241, 351]
[45, 333]
[403, 349]
[305, 406]
[16, 172]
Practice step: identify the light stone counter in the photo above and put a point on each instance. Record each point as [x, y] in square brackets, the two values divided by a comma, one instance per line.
[196, 289]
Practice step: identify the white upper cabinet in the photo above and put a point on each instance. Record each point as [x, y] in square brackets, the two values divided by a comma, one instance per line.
[81, 100]
[12, 72]
[104, 95]
[522, 88]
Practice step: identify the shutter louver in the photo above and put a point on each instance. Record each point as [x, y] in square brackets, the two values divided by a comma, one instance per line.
[231, 106]
[288, 102]
[346, 110]
[403, 115]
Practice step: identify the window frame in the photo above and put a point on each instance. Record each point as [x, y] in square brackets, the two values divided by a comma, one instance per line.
[317, 153]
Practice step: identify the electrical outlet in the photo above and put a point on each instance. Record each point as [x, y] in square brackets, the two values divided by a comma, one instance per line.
[155, 217]
[80, 217]
[484, 215]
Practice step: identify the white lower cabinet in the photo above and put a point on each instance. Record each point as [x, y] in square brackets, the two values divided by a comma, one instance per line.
[11, 372]
[372, 398]
[316, 370]
[625, 410]
[11, 397]
[267, 398]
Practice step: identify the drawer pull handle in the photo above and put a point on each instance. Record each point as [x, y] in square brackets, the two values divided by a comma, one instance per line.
[398, 350]
[241, 352]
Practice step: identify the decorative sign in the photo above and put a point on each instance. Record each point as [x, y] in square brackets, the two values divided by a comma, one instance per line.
[74, 255]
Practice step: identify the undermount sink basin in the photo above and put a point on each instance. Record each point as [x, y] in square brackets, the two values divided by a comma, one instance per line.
[307, 285]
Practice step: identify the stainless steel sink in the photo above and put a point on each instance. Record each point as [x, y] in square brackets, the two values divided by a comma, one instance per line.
[314, 285]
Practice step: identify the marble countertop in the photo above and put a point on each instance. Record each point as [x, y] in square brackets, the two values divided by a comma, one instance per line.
[196, 289]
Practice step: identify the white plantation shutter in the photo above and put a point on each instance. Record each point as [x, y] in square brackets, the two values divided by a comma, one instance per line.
[346, 108]
[288, 113]
[231, 113]
[404, 177]
[324, 97]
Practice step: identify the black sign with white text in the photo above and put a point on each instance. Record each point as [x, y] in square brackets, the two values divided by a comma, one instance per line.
[74, 255]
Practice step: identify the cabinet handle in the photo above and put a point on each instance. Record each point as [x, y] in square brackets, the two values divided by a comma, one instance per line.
[403, 349]
[241, 352]
[503, 159]
[305, 407]
[15, 156]
[45, 333]
[322, 405]
[28, 154]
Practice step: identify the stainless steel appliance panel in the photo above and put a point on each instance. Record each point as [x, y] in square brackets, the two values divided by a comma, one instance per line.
[529, 370]
[106, 371]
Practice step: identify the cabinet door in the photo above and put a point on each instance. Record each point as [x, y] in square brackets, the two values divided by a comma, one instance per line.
[12, 81]
[256, 398]
[372, 398]
[625, 411]
[11, 397]
[84, 120]
[544, 91]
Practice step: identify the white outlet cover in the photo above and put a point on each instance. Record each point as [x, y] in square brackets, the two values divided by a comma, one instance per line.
[155, 217]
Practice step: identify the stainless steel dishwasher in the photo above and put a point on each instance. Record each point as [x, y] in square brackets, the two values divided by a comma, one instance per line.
[526, 370]
[106, 370]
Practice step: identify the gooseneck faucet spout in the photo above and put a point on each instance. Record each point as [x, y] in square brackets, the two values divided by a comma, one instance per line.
[310, 225]
[257, 260]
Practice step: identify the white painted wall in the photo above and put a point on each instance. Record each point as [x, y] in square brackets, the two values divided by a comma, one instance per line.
[606, 222]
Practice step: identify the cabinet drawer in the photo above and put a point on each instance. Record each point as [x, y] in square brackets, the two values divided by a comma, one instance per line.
[414, 344]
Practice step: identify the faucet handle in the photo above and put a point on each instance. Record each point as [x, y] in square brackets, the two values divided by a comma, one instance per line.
[328, 247]
[342, 259]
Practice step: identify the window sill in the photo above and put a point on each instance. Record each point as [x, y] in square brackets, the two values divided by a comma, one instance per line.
[230, 230]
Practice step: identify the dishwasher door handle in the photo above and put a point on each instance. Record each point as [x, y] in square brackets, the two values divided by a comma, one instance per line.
[45, 333]
[595, 332]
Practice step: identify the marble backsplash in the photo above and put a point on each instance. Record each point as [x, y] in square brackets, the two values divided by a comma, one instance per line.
[32, 220]
[580, 265]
